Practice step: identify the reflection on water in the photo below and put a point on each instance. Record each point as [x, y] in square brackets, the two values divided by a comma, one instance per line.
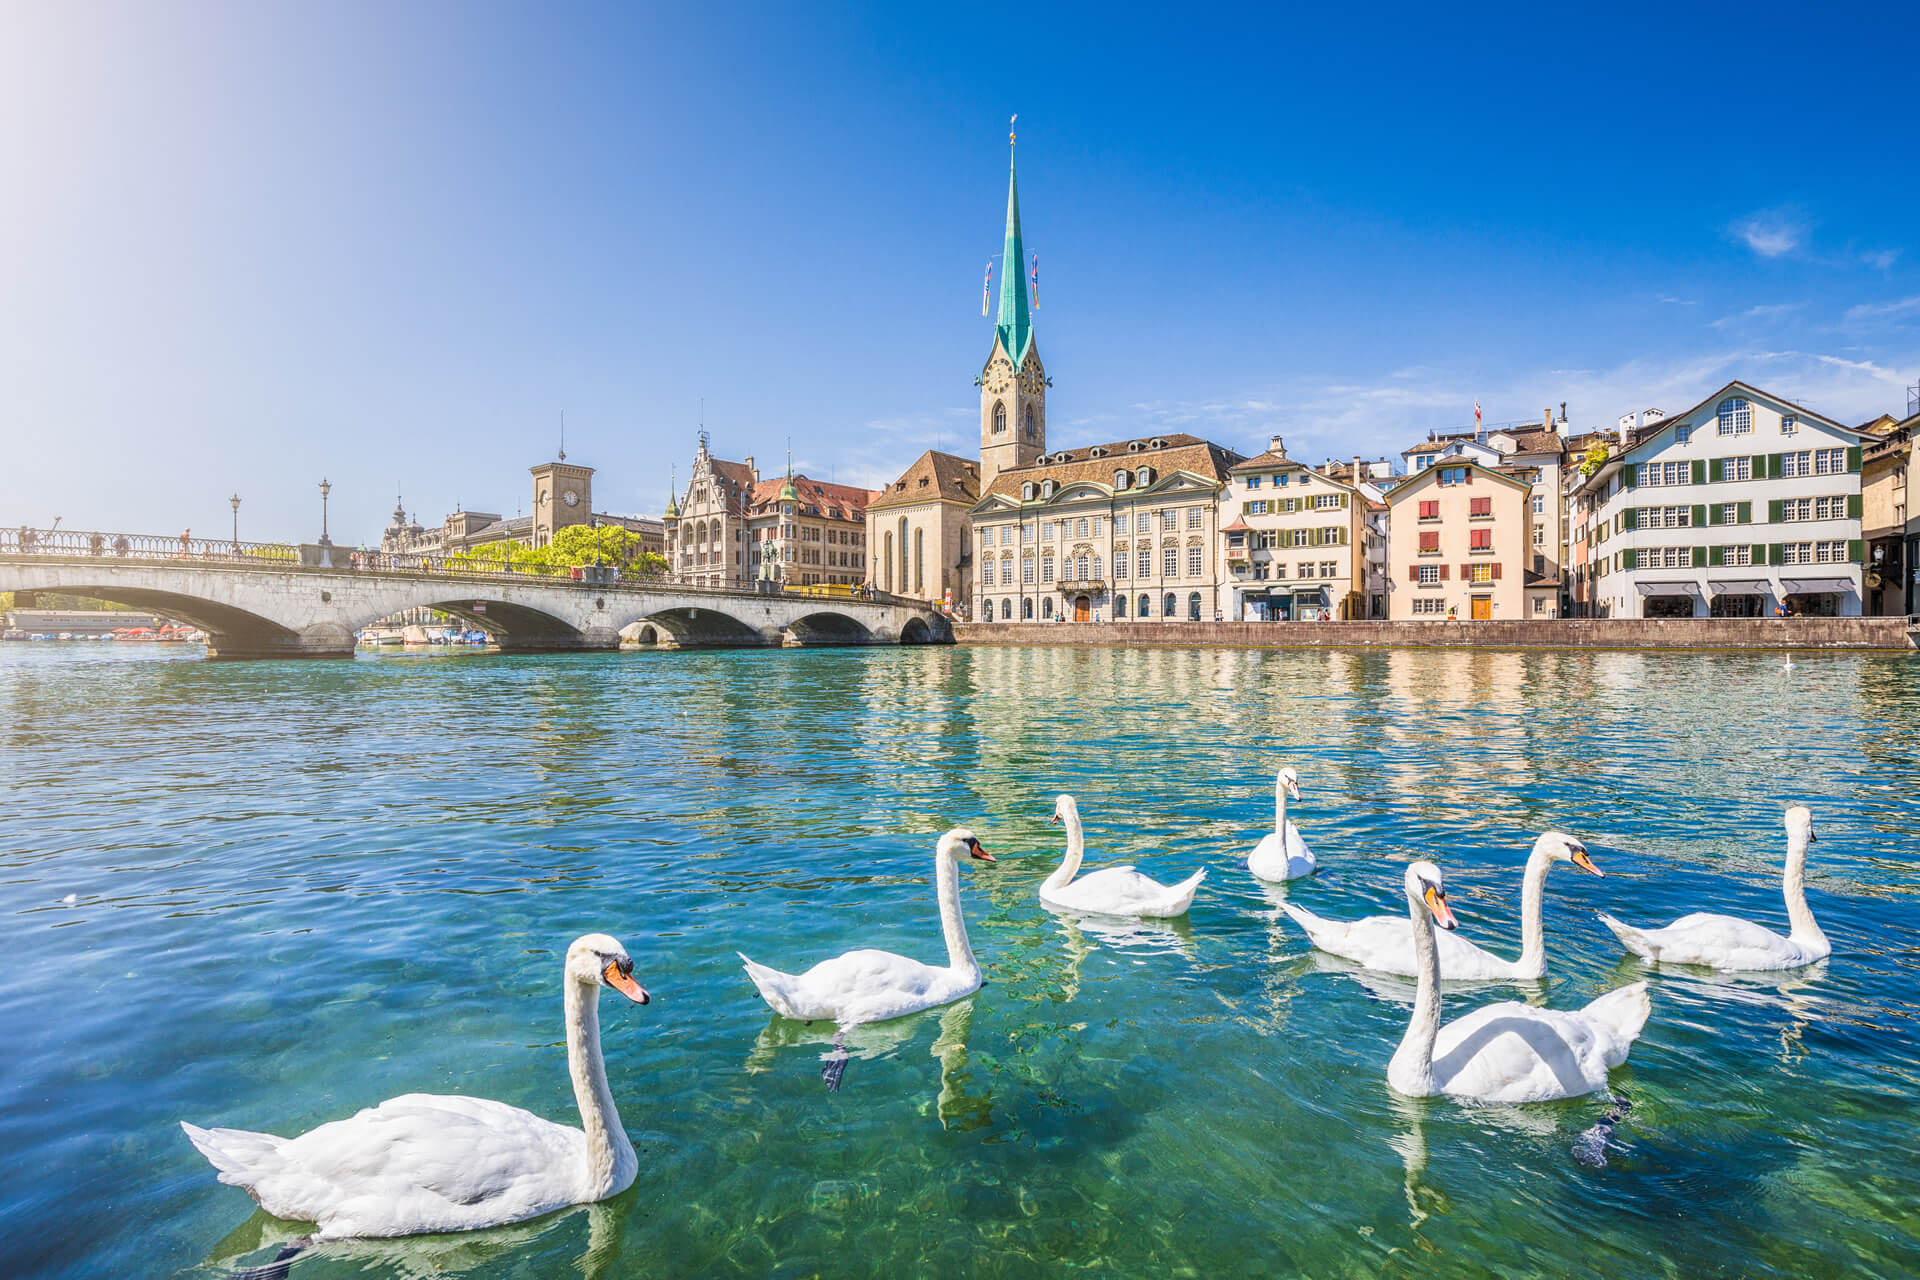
[266, 895]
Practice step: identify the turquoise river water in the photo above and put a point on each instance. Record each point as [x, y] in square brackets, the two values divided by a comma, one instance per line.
[266, 895]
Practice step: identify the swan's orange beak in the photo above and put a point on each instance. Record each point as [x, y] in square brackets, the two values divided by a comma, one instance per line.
[979, 851]
[624, 983]
[1437, 904]
[1582, 861]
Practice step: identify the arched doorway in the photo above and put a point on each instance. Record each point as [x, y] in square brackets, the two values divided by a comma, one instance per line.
[1193, 607]
[1082, 609]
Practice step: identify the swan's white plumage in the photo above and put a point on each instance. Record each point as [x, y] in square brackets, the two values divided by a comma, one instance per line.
[1110, 891]
[1281, 853]
[1730, 943]
[1507, 1052]
[1386, 943]
[431, 1162]
[872, 986]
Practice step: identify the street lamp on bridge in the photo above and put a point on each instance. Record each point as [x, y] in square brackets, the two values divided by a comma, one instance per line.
[235, 500]
[325, 489]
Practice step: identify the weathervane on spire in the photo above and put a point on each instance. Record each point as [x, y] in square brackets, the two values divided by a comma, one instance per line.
[563, 435]
[1016, 116]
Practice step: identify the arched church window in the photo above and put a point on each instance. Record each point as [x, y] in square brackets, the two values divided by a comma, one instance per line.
[999, 417]
[1030, 430]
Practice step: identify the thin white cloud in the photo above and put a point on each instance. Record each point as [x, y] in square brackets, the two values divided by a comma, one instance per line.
[1895, 310]
[1772, 233]
[1881, 259]
[1764, 311]
[1680, 302]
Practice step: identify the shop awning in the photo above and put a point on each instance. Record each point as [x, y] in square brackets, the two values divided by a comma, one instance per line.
[1669, 588]
[1816, 586]
[1743, 588]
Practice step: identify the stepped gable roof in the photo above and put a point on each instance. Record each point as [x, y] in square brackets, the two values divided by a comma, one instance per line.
[830, 501]
[1097, 463]
[934, 476]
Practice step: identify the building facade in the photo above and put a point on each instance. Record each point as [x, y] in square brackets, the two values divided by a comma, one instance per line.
[802, 532]
[562, 496]
[1293, 542]
[1888, 523]
[1459, 538]
[706, 525]
[922, 531]
[1744, 506]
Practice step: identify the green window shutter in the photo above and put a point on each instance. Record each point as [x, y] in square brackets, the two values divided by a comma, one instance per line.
[1699, 514]
[1343, 500]
[1717, 470]
[1853, 506]
[1630, 518]
[1759, 464]
[1628, 474]
[1774, 469]
[1746, 513]
[1699, 471]
[1856, 550]
[1759, 553]
[1627, 558]
[1776, 553]
[1713, 513]
[1716, 555]
[1775, 509]
[1853, 459]
[1699, 557]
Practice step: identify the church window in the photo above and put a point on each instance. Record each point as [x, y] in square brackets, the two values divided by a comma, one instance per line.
[999, 418]
[1029, 423]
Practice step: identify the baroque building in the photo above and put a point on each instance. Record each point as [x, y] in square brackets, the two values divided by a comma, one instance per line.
[730, 528]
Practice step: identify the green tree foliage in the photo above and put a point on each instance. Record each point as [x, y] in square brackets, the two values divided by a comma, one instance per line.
[1593, 459]
[574, 545]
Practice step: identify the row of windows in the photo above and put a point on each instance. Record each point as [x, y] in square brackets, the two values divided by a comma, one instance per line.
[1286, 506]
[1094, 526]
[1277, 571]
[1817, 551]
[1170, 607]
[1428, 575]
[1734, 417]
[1776, 466]
[1279, 481]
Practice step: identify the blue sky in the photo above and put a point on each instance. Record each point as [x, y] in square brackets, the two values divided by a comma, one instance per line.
[246, 245]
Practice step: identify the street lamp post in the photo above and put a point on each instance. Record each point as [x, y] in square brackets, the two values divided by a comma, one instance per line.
[235, 500]
[325, 489]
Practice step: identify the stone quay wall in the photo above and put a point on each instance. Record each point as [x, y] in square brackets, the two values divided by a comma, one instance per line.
[1543, 633]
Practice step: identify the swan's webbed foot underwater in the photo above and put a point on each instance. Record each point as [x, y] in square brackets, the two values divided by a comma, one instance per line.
[281, 1265]
[1590, 1148]
[835, 1063]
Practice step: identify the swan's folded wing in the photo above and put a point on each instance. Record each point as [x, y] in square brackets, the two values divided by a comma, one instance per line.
[1513, 1052]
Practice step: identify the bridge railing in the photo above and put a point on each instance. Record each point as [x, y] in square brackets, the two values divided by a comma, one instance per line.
[89, 545]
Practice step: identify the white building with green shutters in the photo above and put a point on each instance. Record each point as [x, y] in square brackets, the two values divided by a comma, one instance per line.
[1743, 506]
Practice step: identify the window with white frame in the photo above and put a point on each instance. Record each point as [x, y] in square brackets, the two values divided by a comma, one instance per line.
[1539, 535]
[1306, 568]
[1257, 508]
[1195, 517]
[1681, 435]
[1789, 424]
[1006, 535]
[1121, 564]
[1830, 552]
[1195, 560]
[1046, 532]
[1739, 556]
[1665, 473]
[1026, 571]
[1430, 604]
[1325, 501]
[1797, 464]
[1080, 527]
[1279, 571]
[1736, 417]
[1666, 517]
[1829, 462]
[1479, 573]
[1169, 520]
[1740, 468]
[1539, 503]
[1797, 553]
[1328, 568]
[1080, 567]
[1046, 569]
[1429, 574]
[1170, 562]
[1539, 604]
[1096, 526]
[1142, 522]
[1143, 561]
[1253, 482]
[1729, 513]
[1665, 558]
[986, 573]
[986, 537]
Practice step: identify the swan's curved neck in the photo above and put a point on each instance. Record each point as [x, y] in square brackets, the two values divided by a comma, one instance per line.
[1076, 849]
[1280, 808]
[611, 1163]
[946, 873]
[1533, 928]
[1411, 1070]
[1793, 886]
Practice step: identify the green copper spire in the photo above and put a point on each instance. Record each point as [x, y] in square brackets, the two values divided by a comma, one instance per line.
[1015, 324]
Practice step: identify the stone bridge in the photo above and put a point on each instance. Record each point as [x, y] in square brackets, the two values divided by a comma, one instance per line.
[291, 610]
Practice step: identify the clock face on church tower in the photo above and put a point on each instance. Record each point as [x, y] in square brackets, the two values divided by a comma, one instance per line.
[570, 498]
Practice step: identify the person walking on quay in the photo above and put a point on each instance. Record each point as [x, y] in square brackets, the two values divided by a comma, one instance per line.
[186, 536]
[120, 545]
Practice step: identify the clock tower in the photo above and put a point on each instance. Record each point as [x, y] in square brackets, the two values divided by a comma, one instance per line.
[1013, 385]
[562, 495]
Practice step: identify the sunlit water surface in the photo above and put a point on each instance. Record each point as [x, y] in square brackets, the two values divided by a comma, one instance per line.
[266, 895]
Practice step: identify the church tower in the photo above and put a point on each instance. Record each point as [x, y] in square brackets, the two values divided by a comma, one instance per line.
[1013, 385]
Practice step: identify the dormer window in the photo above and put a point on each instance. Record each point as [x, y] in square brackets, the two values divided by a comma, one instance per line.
[1046, 488]
[1122, 478]
[1026, 492]
[1096, 452]
[1133, 446]
[1157, 443]
[1143, 475]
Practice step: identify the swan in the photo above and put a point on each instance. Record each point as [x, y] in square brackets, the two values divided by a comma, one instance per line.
[872, 986]
[432, 1162]
[1507, 1052]
[1281, 853]
[1385, 943]
[1728, 942]
[1110, 891]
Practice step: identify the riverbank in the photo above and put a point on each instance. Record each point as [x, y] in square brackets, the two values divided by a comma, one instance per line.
[1559, 633]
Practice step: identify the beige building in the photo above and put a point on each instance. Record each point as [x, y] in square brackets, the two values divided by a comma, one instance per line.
[1112, 532]
[706, 526]
[1293, 542]
[803, 532]
[921, 527]
[562, 496]
[1459, 545]
[1889, 525]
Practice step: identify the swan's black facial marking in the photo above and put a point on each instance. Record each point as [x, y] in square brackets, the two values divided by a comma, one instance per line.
[978, 850]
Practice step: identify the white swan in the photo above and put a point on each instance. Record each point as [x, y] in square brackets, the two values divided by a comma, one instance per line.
[1508, 1052]
[430, 1162]
[872, 986]
[1110, 891]
[1282, 854]
[1385, 943]
[1728, 942]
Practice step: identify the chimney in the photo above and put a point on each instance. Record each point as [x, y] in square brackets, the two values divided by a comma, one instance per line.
[1627, 421]
[1546, 418]
[1277, 446]
[1563, 412]
[1356, 477]
[1652, 416]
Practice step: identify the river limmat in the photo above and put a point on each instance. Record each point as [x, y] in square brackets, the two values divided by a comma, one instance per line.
[265, 896]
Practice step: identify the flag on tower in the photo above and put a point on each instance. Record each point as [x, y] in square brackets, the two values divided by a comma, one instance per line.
[1036, 282]
[1476, 413]
[986, 287]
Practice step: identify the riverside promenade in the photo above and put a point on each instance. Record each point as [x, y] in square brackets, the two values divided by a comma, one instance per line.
[1545, 633]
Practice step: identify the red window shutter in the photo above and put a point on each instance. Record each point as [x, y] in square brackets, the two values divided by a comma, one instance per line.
[1413, 573]
[1496, 570]
[1443, 573]
[1466, 573]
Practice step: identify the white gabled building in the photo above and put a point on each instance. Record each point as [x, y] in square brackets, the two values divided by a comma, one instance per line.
[1742, 506]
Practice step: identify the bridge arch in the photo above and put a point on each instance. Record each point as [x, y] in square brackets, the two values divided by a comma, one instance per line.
[232, 632]
[510, 625]
[829, 627]
[689, 627]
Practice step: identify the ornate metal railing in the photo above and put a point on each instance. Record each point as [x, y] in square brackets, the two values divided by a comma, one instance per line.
[87, 545]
